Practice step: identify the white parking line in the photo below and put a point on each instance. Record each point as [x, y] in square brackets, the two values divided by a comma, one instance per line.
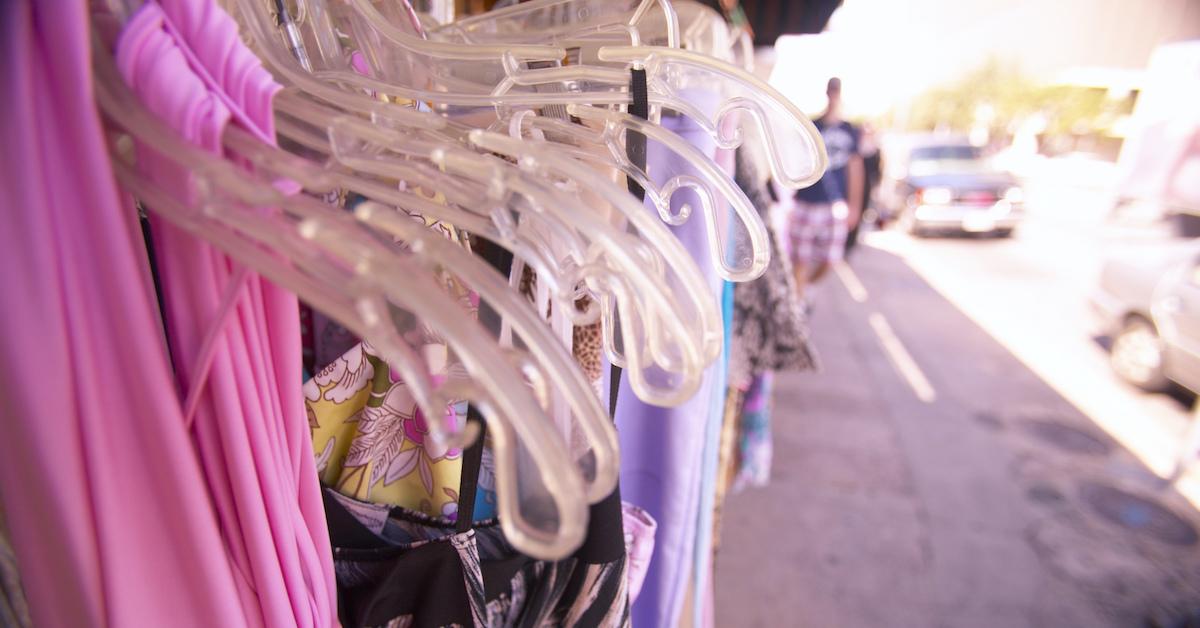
[857, 291]
[901, 359]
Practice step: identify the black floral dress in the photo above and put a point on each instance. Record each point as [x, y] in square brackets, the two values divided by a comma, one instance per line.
[770, 329]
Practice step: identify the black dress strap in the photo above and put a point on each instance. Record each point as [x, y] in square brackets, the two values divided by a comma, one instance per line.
[468, 483]
[635, 149]
[502, 260]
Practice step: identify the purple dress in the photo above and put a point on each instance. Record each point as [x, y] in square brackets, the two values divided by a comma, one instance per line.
[662, 448]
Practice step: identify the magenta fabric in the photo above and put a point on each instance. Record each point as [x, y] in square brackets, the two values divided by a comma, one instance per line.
[188, 65]
[102, 489]
[119, 514]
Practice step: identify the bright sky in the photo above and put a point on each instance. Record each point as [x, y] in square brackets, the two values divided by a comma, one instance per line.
[887, 51]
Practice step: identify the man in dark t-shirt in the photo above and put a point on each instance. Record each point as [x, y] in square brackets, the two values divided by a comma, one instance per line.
[817, 223]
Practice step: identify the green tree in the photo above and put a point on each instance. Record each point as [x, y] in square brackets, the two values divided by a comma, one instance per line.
[1013, 96]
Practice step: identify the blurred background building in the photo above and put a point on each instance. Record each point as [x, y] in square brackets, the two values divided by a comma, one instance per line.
[1078, 78]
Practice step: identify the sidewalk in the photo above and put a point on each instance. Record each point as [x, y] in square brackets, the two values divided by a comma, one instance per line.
[996, 504]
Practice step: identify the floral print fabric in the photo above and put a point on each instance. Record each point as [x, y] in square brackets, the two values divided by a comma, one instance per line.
[372, 442]
[770, 329]
[754, 446]
[370, 439]
[401, 569]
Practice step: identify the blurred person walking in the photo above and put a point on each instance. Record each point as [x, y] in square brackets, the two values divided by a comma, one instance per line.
[872, 161]
[816, 223]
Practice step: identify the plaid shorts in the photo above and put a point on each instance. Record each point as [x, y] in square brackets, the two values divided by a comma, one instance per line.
[816, 232]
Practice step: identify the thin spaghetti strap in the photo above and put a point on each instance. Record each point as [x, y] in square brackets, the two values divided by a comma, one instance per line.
[635, 149]
[469, 483]
[502, 260]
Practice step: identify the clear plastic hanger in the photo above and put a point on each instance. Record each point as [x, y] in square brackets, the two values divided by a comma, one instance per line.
[653, 322]
[320, 253]
[394, 115]
[652, 384]
[739, 251]
[579, 25]
[348, 145]
[573, 402]
[703, 29]
[387, 113]
[383, 110]
[409, 67]
[655, 336]
[587, 24]
[750, 233]
[742, 50]
[794, 149]
[709, 182]
[359, 146]
[738, 248]
[568, 23]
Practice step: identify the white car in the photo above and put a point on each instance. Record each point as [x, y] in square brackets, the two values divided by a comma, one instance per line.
[1150, 308]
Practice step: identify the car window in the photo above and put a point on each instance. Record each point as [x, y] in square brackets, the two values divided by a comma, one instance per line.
[946, 153]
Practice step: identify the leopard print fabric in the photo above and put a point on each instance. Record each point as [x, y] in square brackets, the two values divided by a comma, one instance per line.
[586, 346]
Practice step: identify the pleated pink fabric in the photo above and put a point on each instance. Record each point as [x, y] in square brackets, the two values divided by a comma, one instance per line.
[188, 65]
[121, 515]
[102, 489]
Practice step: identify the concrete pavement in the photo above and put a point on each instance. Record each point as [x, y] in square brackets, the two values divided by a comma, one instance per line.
[997, 503]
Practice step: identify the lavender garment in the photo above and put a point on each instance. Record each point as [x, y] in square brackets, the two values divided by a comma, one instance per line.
[104, 494]
[662, 448]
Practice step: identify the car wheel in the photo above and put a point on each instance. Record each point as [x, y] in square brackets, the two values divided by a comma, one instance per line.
[1002, 233]
[1137, 355]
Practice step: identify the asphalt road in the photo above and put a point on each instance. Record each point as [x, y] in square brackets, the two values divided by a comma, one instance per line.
[966, 459]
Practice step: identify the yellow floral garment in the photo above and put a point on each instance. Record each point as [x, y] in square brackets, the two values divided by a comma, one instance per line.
[369, 438]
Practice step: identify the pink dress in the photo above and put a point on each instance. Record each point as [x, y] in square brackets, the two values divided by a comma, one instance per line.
[120, 513]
